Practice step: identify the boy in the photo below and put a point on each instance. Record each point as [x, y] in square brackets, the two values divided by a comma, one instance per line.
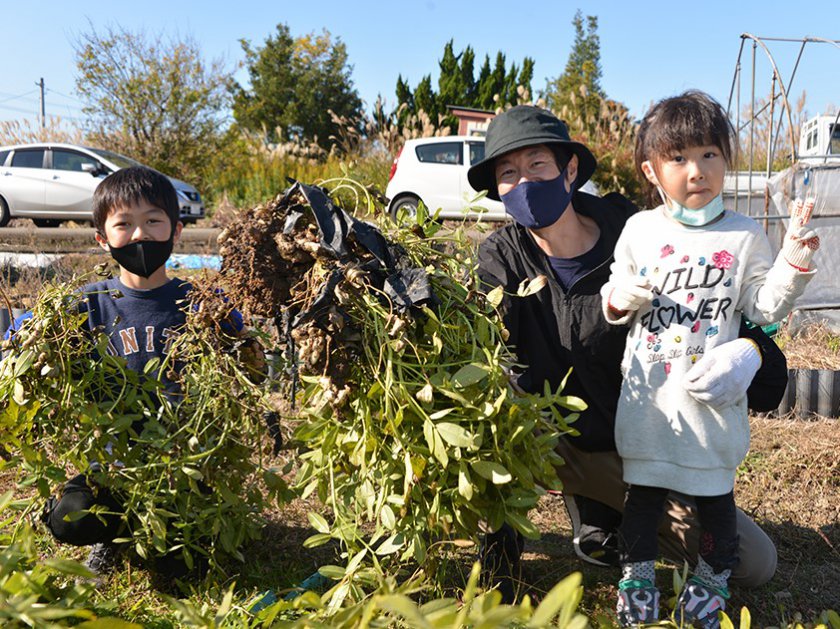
[136, 216]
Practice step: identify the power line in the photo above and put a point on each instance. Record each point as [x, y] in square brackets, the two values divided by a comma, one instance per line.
[18, 96]
[10, 94]
[67, 106]
[52, 91]
[34, 110]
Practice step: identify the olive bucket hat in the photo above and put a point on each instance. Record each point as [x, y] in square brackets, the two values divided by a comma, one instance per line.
[521, 126]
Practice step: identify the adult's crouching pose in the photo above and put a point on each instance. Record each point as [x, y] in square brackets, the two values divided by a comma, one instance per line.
[534, 168]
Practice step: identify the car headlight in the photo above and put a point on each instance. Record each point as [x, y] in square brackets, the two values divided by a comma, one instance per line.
[189, 195]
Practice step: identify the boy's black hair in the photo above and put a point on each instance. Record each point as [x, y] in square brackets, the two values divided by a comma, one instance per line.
[128, 186]
[691, 119]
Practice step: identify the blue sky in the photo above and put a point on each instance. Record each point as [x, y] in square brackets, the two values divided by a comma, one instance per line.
[648, 49]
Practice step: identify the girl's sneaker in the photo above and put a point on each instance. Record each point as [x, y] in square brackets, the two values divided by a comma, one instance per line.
[699, 604]
[638, 603]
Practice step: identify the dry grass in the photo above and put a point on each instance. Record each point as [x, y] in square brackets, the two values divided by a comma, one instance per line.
[790, 484]
[813, 347]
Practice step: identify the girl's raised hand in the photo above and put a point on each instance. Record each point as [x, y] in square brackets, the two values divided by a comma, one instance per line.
[800, 240]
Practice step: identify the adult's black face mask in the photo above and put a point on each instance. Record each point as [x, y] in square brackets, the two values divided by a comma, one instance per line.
[143, 257]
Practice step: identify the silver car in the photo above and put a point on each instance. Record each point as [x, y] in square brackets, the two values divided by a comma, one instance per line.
[51, 182]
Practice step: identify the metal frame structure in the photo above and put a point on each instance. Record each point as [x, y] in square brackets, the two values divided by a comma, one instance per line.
[777, 82]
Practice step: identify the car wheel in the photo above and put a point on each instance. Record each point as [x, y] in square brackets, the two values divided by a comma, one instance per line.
[4, 212]
[405, 203]
[46, 222]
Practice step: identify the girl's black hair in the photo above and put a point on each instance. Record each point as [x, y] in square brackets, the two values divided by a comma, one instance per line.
[691, 119]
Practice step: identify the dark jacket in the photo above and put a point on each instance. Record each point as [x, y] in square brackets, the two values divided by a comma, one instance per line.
[555, 330]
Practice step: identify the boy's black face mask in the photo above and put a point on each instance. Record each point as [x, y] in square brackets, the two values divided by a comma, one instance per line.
[143, 257]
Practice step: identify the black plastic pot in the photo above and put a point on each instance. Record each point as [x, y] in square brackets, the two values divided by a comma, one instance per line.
[812, 392]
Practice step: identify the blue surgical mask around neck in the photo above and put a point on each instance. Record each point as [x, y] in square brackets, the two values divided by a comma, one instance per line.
[687, 216]
[538, 204]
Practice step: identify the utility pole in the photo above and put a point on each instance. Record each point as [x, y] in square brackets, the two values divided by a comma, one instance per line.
[43, 116]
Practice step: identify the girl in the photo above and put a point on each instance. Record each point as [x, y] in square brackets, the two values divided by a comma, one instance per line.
[683, 275]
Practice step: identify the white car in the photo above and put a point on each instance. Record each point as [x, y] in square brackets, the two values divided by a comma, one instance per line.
[51, 182]
[434, 171]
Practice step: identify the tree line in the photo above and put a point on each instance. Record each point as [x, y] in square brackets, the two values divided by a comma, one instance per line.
[161, 102]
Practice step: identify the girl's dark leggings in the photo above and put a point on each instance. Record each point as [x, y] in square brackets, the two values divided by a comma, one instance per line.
[643, 510]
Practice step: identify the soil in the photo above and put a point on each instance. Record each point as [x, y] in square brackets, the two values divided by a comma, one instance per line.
[789, 483]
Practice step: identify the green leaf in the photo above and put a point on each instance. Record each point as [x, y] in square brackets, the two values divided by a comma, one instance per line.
[19, 393]
[492, 471]
[562, 594]
[726, 622]
[439, 450]
[52, 613]
[522, 501]
[336, 573]
[318, 522]
[469, 374]
[224, 606]
[356, 561]
[454, 434]
[523, 525]
[495, 296]
[389, 520]
[192, 472]
[441, 414]
[23, 362]
[68, 566]
[403, 607]
[121, 423]
[532, 287]
[435, 443]
[440, 612]
[5, 499]
[465, 486]
[319, 539]
[746, 621]
[571, 402]
[391, 545]
[109, 623]
[429, 434]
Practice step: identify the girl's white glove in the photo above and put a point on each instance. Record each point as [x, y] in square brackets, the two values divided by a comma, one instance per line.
[800, 240]
[629, 296]
[721, 378]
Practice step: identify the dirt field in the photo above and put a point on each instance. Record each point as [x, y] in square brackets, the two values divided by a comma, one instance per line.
[789, 483]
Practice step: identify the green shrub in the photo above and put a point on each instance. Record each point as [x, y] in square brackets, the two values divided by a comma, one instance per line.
[188, 473]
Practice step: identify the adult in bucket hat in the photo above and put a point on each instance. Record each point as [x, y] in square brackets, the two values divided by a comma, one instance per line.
[533, 166]
[526, 126]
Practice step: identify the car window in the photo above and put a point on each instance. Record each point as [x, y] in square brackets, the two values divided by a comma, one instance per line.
[441, 153]
[120, 160]
[476, 152]
[71, 160]
[28, 158]
[3, 156]
[833, 143]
